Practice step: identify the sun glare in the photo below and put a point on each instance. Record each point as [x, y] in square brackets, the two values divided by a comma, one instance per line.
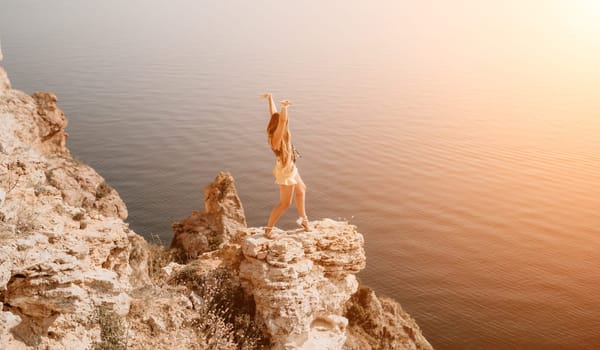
[585, 18]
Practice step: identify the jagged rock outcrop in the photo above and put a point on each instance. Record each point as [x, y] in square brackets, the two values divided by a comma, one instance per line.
[301, 281]
[222, 218]
[51, 123]
[380, 323]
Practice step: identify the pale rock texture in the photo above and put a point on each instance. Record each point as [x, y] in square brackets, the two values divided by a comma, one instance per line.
[380, 323]
[64, 248]
[51, 122]
[223, 216]
[301, 281]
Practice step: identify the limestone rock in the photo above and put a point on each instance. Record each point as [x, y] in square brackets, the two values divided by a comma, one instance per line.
[54, 270]
[51, 124]
[223, 216]
[222, 202]
[138, 260]
[80, 186]
[301, 281]
[8, 321]
[381, 323]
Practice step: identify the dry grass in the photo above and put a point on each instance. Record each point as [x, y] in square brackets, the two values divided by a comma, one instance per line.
[113, 332]
[14, 171]
[159, 257]
[224, 313]
[228, 313]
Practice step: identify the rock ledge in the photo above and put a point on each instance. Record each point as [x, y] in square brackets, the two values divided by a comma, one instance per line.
[301, 281]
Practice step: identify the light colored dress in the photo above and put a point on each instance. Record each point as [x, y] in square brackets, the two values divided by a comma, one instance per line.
[286, 175]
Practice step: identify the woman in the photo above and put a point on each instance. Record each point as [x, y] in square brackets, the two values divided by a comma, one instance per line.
[285, 171]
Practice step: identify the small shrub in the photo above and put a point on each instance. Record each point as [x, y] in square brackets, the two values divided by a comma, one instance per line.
[14, 171]
[214, 241]
[103, 190]
[229, 311]
[214, 333]
[113, 333]
[39, 189]
[159, 257]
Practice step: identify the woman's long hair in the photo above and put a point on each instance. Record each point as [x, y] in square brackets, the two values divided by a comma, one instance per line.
[285, 151]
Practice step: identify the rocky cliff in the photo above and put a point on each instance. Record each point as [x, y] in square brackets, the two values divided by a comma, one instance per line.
[64, 248]
[74, 276]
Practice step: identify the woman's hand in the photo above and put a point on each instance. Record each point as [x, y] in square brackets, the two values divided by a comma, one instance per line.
[265, 95]
[285, 103]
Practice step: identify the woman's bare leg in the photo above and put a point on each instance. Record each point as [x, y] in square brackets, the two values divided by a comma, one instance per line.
[285, 200]
[300, 188]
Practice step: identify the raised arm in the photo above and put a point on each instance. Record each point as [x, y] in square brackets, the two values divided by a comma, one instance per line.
[281, 127]
[272, 106]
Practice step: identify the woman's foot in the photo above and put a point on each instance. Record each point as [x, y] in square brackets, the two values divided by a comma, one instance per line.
[269, 232]
[303, 223]
[285, 103]
[265, 95]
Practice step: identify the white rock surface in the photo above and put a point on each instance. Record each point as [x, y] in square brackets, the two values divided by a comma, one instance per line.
[301, 281]
[64, 248]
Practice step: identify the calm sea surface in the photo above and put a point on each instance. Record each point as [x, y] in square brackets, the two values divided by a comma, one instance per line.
[463, 140]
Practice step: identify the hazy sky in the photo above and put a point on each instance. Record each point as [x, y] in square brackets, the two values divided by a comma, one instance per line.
[474, 27]
[551, 43]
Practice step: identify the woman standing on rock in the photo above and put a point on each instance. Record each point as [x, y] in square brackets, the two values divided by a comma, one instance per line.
[285, 170]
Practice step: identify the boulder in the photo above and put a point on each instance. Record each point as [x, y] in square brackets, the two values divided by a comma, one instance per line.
[222, 218]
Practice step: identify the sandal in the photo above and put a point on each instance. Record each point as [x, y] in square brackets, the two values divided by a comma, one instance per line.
[303, 223]
[269, 232]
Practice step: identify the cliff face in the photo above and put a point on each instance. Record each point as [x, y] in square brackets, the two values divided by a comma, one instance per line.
[74, 276]
[63, 245]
